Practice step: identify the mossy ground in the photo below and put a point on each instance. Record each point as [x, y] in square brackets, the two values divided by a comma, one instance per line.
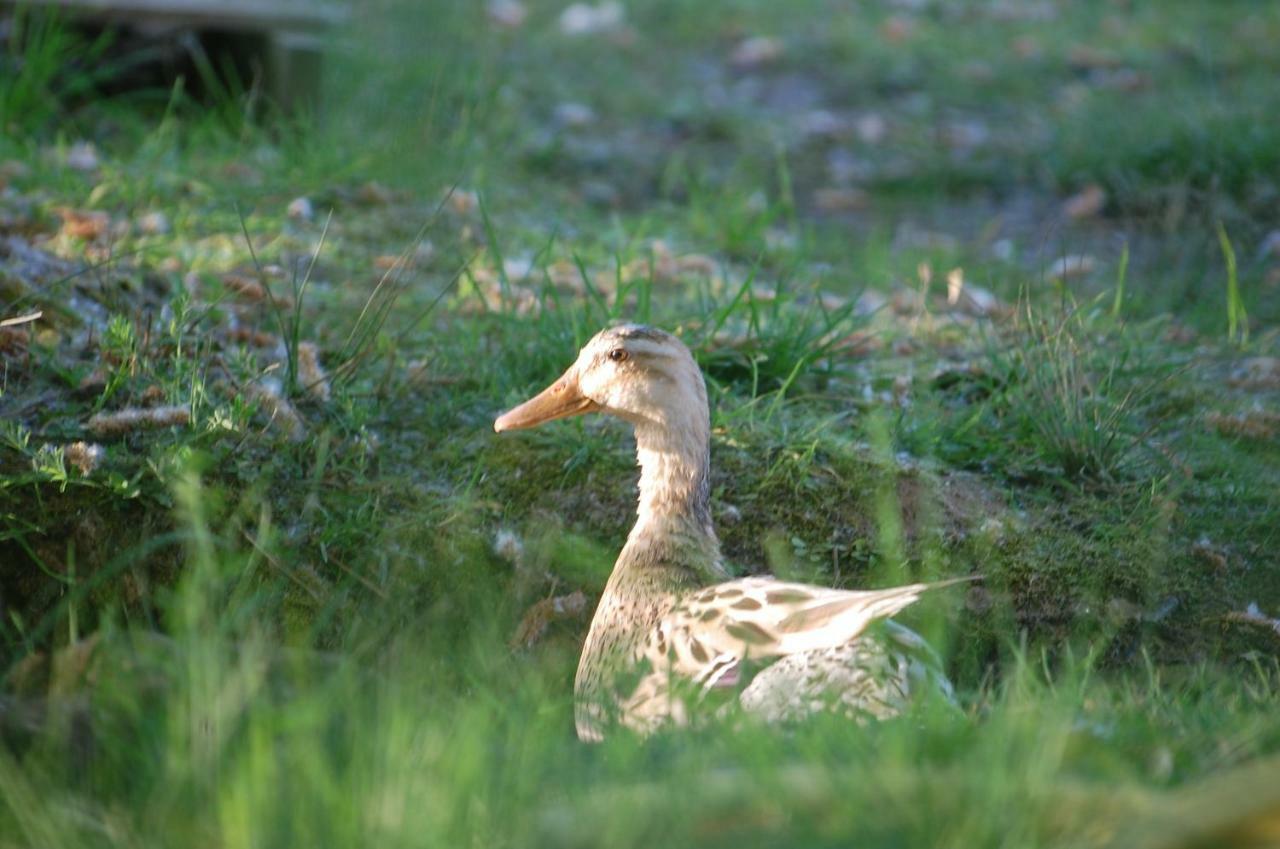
[255, 630]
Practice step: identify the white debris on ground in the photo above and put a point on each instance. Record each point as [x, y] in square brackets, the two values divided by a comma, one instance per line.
[269, 396]
[507, 13]
[130, 419]
[82, 156]
[540, 616]
[153, 224]
[583, 19]
[507, 545]
[1087, 203]
[85, 456]
[755, 52]
[1256, 373]
[300, 209]
[1072, 266]
[1253, 615]
[311, 375]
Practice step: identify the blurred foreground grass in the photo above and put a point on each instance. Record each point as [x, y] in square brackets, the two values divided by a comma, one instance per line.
[956, 273]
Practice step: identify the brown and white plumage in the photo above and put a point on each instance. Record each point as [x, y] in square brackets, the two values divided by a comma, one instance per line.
[671, 634]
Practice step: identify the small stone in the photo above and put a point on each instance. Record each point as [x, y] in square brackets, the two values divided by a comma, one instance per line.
[582, 19]
[300, 209]
[1087, 203]
[832, 200]
[1085, 57]
[1270, 245]
[1256, 373]
[571, 114]
[1026, 47]
[978, 71]
[993, 528]
[898, 28]
[1180, 334]
[84, 223]
[980, 303]
[374, 193]
[754, 52]
[154, 224]
[600, 193]
[1123, 610]
[1162, 764]
[966, 135]
[1072, 266]
[978, 599]
[903, 347]
[517, 269]
[242, 172]
[13, 169]
[871, 128]
[508, 546]
[824, 123]
[507, 13]
[82, 156]
[462, 201]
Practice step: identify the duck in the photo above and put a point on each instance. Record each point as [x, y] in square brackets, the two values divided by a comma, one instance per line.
[675, 638]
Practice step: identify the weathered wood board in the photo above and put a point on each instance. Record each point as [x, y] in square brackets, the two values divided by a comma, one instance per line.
[288, 35]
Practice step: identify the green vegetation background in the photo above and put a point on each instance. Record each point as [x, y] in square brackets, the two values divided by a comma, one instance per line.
[292, 619]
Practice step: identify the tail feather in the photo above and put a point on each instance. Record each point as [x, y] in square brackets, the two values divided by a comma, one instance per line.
[835, 619]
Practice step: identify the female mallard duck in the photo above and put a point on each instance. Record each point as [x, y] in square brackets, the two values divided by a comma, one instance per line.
[671, 629]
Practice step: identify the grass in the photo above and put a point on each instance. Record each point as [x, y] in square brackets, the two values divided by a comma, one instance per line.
[45, 66]
[289, 618]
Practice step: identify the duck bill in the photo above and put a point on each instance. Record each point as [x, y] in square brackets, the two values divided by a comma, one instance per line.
[558, 401]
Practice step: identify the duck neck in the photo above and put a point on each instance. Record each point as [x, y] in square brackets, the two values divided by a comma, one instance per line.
[671, 550]
[675, 479]
[673, 519]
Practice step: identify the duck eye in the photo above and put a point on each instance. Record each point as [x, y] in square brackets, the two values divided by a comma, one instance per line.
[618, 355]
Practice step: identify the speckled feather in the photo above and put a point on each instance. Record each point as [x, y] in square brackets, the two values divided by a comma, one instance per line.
[787, 649]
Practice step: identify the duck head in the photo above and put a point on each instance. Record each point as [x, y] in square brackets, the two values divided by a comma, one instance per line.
[640, 374]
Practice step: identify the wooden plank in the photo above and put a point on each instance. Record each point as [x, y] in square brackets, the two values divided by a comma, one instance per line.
[205, 14]
[293, 70]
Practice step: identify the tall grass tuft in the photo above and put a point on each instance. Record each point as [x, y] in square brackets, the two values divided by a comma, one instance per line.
[43, 66]
[1077, 392]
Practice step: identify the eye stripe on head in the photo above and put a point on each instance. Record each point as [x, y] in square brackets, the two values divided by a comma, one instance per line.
[657, 351]
[638, 331]
[647, 349]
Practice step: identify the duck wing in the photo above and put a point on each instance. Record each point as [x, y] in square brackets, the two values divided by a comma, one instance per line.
[708, 634]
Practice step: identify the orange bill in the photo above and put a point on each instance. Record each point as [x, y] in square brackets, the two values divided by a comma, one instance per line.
[559, 400]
